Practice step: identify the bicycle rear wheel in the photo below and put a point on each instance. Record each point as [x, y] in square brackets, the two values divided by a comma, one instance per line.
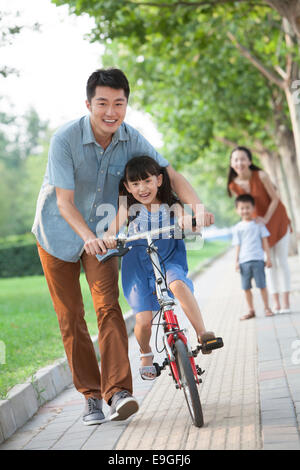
[188, 383]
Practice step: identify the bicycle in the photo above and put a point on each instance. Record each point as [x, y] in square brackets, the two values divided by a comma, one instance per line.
[180, 357]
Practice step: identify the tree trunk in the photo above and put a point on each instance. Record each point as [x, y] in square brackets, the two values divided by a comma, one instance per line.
[294, 247]
[294, 108]
[289, 9]
[272, 164]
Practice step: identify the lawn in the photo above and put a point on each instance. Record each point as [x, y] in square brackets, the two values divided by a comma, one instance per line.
[29, 333]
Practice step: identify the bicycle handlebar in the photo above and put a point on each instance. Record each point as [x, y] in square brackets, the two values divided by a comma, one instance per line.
[122, 239]
[153, 233]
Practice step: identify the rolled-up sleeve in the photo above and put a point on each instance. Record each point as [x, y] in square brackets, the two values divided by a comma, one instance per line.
[60, 164]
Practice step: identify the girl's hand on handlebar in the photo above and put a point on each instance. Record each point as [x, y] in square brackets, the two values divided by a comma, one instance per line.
[185, 222]
[94, 246]
[109, 240]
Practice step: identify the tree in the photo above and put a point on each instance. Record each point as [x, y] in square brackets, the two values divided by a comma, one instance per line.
[185, 46]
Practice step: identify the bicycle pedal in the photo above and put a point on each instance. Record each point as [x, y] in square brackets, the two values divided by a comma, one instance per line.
[213, 343]
[158, 368]
[195, 352]
[199, 370]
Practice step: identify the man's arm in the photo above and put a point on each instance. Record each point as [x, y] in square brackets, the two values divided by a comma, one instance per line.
[188, 195]
[68, 210]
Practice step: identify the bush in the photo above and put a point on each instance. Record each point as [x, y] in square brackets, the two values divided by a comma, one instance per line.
[19, 256]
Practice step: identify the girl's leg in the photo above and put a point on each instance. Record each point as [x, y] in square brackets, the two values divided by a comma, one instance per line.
[189, 305]
[142, 331]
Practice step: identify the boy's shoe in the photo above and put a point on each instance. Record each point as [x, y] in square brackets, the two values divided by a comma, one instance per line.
[93, 413]
[122, 405]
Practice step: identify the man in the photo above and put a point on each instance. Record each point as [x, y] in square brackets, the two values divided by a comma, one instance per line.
[86, 162]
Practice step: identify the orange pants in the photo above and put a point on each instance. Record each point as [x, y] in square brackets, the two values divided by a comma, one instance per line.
[64, 286]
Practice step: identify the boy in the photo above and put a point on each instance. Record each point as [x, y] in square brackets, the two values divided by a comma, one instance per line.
[250, 239]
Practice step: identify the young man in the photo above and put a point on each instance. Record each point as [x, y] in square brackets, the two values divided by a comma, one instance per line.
[86, 162]
[251, 240]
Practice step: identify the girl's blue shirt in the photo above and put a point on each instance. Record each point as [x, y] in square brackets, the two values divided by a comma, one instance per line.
[138, 279]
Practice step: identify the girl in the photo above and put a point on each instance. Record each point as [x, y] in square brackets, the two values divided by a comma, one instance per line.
[245, 177]
[147, 188]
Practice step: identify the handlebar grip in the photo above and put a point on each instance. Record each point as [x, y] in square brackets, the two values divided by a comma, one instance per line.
[120, 251]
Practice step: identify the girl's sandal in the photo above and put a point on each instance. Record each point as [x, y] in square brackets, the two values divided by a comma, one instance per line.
[148, 372]
[249, 315]
[268, 312]
[208, 335]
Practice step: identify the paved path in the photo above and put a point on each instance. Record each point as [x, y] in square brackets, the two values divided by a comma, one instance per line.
[250, 392]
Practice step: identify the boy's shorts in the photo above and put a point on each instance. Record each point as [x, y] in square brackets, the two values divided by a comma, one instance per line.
[250, 269]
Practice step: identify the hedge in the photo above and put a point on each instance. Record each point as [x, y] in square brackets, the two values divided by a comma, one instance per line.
[19, 256]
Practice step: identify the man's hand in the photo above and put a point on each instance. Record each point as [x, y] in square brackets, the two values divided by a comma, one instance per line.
[204, 219]
[209, 219]
[95, 246]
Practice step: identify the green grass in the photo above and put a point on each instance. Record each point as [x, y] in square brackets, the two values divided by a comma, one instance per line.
[28, 324]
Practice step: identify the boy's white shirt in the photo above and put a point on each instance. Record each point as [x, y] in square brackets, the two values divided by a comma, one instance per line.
[248, 235]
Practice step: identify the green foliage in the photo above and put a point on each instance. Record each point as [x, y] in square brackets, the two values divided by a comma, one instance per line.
[19, 257]
[23, 157]
[186, 72]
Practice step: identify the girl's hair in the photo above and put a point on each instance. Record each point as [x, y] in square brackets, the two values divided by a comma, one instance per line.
[139, 168]
[232, 173]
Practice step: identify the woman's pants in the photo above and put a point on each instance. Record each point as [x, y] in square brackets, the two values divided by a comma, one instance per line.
[280, 269]
[64, 286]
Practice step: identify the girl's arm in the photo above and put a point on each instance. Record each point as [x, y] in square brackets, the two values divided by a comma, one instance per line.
[115, 226]
[273, 196]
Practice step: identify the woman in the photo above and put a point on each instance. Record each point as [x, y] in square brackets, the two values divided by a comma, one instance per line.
[245, 177]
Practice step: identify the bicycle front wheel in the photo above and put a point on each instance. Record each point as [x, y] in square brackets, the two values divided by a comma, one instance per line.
[188, 383]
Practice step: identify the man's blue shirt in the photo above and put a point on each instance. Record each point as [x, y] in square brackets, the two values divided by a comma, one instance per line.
[77, 162]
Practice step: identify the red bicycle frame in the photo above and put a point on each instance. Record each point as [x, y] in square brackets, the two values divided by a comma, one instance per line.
[172, 327]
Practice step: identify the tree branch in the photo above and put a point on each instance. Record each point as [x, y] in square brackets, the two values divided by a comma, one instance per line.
[198, 4]
[269, 74]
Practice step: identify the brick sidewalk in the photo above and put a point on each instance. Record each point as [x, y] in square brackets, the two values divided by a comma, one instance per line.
[249, 395]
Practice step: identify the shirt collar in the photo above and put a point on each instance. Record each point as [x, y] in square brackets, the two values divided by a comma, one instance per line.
[89, 138]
